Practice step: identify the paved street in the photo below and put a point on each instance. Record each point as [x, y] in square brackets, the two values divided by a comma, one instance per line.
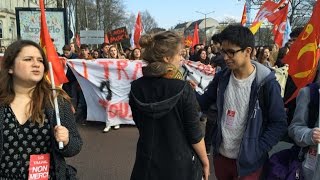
[105, 156]
[109, 156]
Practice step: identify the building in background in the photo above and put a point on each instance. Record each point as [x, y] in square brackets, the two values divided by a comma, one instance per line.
[8, 27]
[207, 27]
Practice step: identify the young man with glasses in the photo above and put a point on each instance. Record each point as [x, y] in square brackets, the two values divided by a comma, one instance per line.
[246, 129]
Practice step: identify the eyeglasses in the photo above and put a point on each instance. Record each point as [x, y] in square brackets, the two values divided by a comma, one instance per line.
[230, 52]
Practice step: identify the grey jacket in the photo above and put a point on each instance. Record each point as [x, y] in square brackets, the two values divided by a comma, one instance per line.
[75, 142]
[300, 133]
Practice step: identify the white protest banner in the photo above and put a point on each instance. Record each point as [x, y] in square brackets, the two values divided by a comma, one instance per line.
[199, 73]
[115, 76]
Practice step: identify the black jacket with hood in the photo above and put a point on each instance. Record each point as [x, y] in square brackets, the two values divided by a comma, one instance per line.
[164, 111]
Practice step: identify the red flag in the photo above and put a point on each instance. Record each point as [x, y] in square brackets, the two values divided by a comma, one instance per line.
[279, 20]
[266, 10]
[78, 43]
[195, 40]
[50, 50]
[304, 53]
[106, 39]
[137, 31]
[244, 15]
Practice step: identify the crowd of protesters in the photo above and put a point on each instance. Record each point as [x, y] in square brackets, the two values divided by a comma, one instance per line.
[243, 108]
[107, 51]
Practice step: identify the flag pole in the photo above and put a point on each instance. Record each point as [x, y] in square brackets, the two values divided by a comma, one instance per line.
[56, 107]
[121, 47]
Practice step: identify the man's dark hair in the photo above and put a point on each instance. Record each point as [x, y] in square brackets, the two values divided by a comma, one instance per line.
[295, 32]
[194, 47]
[104, 44]
[238, 35]
[216, 38]
[66, 48]
[126, 49]
[84, 46]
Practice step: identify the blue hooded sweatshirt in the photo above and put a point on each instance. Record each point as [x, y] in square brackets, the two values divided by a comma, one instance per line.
[266, 124]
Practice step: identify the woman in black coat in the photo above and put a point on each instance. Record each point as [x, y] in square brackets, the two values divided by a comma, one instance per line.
[170, 144]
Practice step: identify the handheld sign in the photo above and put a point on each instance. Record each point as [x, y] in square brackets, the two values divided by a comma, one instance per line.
[118, 35]
[39, 167]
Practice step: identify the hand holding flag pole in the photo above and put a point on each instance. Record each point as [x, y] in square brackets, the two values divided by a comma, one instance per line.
[56, 107]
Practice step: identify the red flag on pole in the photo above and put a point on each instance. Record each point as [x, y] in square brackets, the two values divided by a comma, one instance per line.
[195, 39]
[137, 31]
[267, 9]
[244, 15]
[106, 39]
[279, 21]
[304, 54]
[78, 43]
[50, 50]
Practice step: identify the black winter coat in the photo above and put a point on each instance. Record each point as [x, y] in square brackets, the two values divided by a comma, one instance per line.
[164, 111]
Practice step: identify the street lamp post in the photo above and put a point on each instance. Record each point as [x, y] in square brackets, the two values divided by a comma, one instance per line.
[205, 22]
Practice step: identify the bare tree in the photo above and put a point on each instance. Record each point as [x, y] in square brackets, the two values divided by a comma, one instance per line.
[264, 36]
[130, 22]
[148, 21]
[59, 4]
[99, 14]
[301, 12]
[226, 22]
[51, 3]
[103, 15]
[113, 14]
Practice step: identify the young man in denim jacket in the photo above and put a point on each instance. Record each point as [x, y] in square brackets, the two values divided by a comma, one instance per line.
[245, 130]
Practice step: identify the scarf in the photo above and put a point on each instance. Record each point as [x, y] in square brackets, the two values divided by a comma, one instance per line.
[173, 73]
[160, 69]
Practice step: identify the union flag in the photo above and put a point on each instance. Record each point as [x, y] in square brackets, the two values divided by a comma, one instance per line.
[304, 54]
[267, 9]
[279, 21]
